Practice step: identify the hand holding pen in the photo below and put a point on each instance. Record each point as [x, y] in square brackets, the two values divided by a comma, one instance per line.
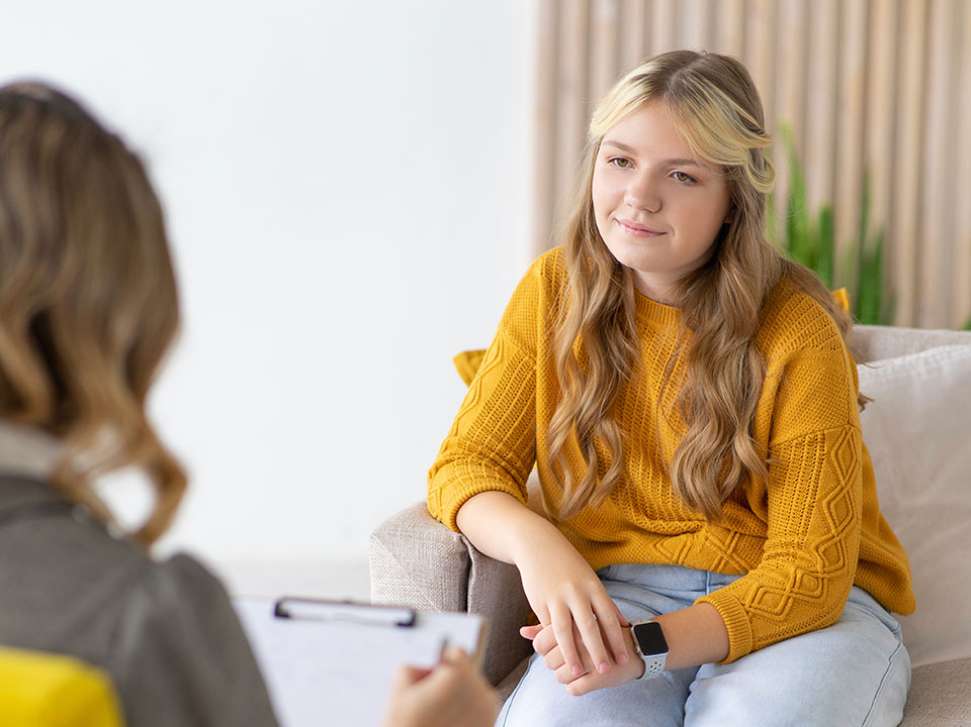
[454, 693]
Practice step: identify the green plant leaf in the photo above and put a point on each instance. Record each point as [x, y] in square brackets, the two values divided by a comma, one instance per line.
[825, 245]
[800, 233]
[812, 242]
[870, 283]
[770, 233]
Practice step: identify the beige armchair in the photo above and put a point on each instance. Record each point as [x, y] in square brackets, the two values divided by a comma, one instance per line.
[416, 561]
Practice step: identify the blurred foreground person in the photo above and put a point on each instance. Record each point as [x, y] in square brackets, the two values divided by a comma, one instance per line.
[88, 308]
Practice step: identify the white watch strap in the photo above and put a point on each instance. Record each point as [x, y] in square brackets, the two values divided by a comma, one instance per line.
[653, 665]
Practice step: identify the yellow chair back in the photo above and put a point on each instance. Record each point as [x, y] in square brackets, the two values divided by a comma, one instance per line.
[48, 690]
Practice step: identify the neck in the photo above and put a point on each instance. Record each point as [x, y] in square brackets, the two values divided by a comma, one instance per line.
[656, 290]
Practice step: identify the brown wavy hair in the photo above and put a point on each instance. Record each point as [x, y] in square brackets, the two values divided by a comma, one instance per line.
[719, 114]
[88, 299]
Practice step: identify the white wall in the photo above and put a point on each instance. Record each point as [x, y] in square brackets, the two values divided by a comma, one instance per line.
[347, 190]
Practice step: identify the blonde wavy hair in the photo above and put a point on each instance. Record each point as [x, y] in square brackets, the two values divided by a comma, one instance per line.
[88, 298]
[719, 114]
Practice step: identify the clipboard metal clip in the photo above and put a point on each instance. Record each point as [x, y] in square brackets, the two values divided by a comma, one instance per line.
[367, 614]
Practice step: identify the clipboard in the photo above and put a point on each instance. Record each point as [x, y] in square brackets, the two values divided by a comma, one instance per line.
[329, 661]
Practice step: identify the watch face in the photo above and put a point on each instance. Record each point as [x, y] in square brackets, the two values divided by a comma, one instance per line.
[650, 638]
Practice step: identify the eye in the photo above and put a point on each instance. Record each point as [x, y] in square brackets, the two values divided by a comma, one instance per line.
[687, 179]
[619, 159]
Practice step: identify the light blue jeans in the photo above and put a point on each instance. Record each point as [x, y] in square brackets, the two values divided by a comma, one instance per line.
[855, 672]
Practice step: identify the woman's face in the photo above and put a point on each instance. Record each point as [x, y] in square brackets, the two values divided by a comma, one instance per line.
[646, 177]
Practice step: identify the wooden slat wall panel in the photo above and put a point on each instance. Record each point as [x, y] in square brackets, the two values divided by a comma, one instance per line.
[758, 56]
[820, 157]
[905, 215]
[605, 47]
[851, 103]
[881, 113]
[633, 39]
[544, 124]
[881, 87]
[961, 278]
[729, 37]
[664, 32]
[694, 24]
[939, 168]
[790, 61]
[572, 117]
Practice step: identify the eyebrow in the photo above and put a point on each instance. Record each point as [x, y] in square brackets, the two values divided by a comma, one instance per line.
[631, 150]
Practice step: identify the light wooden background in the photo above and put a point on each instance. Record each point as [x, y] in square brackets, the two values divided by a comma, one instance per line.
[876, 85]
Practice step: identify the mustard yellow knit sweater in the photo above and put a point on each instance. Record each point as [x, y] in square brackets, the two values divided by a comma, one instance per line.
[803, 538]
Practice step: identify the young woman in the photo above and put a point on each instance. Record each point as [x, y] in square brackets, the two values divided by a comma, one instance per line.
[690, 402]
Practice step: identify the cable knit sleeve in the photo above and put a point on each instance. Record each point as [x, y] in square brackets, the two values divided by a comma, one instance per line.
[492, 442]
[814, 503]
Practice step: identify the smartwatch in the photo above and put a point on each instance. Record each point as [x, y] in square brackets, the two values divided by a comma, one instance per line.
[650, 643]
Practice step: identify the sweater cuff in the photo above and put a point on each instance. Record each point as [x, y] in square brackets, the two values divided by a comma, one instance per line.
[736, 622]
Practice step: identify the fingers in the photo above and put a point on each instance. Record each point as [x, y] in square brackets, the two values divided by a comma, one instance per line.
[582, 685]
[589, 627]
[612, 628]
[545, 640]
[405, 675]
[553, 657]
[563, 630]
[456, 654]
[564, 675]
[609, 614]
[454, 667]
[580, 626]
[530, 632]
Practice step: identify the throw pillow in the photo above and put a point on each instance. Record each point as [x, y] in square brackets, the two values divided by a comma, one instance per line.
[917, 430]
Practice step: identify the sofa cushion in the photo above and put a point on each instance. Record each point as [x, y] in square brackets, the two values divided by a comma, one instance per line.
[939, 696]
[918, 433]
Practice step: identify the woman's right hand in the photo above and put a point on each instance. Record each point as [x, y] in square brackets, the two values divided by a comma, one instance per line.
[563, 590]
[452, 694]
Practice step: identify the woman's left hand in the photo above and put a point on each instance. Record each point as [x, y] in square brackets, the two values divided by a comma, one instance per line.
[544, 644]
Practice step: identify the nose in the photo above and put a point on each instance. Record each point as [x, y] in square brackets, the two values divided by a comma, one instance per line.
[640, 194]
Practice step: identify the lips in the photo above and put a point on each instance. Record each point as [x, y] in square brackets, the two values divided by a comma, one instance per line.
[637, 229]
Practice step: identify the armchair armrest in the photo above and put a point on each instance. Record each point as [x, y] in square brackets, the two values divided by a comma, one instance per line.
[416, 561]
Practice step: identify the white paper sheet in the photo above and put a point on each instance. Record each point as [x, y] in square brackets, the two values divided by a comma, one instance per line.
[339, 674]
